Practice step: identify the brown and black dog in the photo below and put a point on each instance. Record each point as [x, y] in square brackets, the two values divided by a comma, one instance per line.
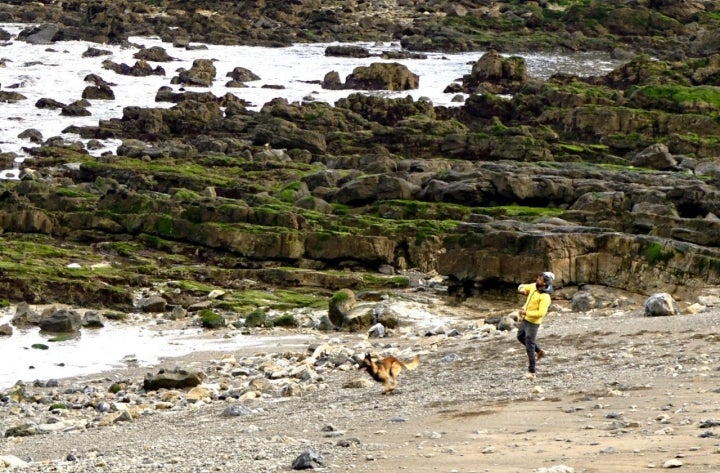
[386, 371]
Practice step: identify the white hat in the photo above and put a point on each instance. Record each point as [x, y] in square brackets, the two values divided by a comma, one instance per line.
[548, 276]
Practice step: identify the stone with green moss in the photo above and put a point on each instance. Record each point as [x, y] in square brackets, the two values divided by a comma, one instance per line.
[256, 318]
[340, 305]
[285, 320]
[211, 319]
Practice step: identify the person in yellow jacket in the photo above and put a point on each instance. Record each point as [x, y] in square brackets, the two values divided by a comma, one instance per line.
[531, 316]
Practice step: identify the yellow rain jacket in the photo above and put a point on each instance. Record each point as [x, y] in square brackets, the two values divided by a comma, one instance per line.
[536, 305]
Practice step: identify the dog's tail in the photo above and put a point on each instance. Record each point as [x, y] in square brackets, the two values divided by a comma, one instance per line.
[411, 365]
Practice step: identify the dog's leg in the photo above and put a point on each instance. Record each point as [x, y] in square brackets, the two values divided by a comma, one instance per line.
[387, 377]
[394, 373]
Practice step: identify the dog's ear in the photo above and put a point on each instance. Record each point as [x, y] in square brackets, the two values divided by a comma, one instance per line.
[367, 356]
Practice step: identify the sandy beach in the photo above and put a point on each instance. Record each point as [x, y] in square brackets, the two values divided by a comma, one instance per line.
[617, 392]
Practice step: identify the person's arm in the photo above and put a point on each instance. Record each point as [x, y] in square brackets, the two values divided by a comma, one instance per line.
[524, 290]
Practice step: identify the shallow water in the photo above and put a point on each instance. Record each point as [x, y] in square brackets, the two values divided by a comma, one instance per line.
[117, 345]
[113, 346]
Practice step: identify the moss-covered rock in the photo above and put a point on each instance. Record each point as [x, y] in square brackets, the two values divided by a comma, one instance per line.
[340, 305]
[211, 319]
[285, 320]
[256, 318]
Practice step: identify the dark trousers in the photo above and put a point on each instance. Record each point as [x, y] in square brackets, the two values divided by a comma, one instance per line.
[527, 334]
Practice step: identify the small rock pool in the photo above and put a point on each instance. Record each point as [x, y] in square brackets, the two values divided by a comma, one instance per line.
[114, 346]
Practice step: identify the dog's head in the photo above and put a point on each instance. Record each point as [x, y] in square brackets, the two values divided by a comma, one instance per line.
[366, 362]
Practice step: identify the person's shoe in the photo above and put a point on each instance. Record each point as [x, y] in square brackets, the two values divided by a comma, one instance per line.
[540, 355]
[530, 375]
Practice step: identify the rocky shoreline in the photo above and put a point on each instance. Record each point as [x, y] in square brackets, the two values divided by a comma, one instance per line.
[619, 391]
[608, 181]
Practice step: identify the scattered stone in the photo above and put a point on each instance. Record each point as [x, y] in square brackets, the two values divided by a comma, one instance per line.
[557, 469]
[177, 378]
[309, 459]
[674, 463]
[6, 330]
[661, 304]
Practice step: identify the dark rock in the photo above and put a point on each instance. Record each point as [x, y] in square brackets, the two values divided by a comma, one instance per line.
[241, 74]
[661, 304]
[35, 136]
[174, 379]
[49, 103]
[332, 81]
[11, 97]
[61, 321]
[152, 304]
[98, 92]
[92, 319]
[656, 156]
[44, 34]
[95, 52]
[347, 51]
[309, 459]
[496, 74]
[141, 68]
[382, 76]
[154, 53]
[201, 74]
[75, 109]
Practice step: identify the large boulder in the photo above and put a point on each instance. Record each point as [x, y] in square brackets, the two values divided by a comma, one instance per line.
[11, 96]
[60, 321]
[141, 68]
[44, 34]
[347, 51]
[188, 118]
[98, 92]
[660, 304]
[25, 316]
[495, 73]
[173, 379]
[382, 76]
[656, 156]
[242, 74]
[386, 111]
[279, 133]
[154, 53]
[152, 304]
[201, 74]
[340, 306]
